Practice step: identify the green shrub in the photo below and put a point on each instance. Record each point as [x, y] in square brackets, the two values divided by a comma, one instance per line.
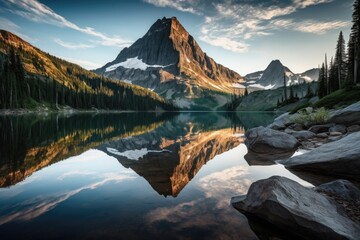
[318, 116]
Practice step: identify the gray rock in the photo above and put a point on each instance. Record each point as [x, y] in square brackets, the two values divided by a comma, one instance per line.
[335, 138]
[284, 119]
[265, 159]
[338, 128]
[267, 140]
[296, 209]
[353, 128]
[335, 134]
[339, 159]
[296, 127]
[347, 116]
[301, 135]
[341, 189]
[277, 126]
[321, 128]
[322, 135]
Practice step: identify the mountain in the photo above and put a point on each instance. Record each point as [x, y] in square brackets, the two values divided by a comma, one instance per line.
[169, 61]
[171, 155]
[31, 77]
[273, 77]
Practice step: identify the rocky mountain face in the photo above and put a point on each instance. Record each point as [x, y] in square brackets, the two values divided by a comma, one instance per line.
[169, 61]
[273, 77]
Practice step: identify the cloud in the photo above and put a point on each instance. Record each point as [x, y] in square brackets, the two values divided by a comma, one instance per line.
[309, 26]
[34, 207]
[73, 45]
[307, 3]
[10, 26]
[38, 12]
[226, 43]
[181, 5]
[83, 63]
[231, 24]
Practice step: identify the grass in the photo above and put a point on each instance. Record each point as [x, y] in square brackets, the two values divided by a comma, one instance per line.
[339, 98]
[318, 116]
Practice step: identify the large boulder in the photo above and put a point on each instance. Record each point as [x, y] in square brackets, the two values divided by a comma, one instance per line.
[267, 140]
[347, 116]
[340, 159]
[294, 208]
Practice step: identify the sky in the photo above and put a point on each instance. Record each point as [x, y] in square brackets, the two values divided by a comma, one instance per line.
[243, 35]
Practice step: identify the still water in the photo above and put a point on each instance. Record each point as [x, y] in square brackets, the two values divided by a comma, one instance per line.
[127, 176]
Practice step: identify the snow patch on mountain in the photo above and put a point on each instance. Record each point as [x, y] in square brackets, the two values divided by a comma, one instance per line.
[133, 63]
[262, 87]
[134, 154]
[237, 85]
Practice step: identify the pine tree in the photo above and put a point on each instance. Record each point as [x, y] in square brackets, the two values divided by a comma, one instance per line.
[340, 62]
[285, 90]
[332, 79]
[326, 75]
[350, 62]
[355, 32]
[322, 91]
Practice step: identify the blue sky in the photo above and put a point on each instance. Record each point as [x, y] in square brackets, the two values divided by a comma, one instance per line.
[244, 35]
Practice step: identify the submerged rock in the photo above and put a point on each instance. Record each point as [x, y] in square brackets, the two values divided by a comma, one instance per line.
[340, 159]
[267, 140]
[296, 209]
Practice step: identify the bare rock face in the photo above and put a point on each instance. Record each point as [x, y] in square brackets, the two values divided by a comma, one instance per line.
[168, 60]
[269, 141]
[347, 116]
[297, 210]
[339, 159]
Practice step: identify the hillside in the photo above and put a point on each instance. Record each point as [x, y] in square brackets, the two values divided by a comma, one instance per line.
[30, 77]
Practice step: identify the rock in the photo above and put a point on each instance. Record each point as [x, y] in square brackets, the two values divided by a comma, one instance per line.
[321, 128]
[277, 126]
[353, 128]
[346, 194]
[341, 189]
[264, 159]
[308, 145]
[347, 116]
[322, 135]
[267, 140]
[338, 128]
[296, 127]
[284, 119]
[301, 135]
[335, 134]
[293, 208]
[340, 159]
[335, 138]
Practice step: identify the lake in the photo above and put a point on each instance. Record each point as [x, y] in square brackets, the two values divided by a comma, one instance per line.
[127, 175]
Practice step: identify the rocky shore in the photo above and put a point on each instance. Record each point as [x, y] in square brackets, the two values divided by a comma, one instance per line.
[329, 158]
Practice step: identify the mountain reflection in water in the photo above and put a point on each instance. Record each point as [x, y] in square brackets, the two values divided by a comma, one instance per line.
[101, 170]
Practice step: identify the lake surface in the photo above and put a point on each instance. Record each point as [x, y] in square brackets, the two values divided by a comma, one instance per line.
[127, 176]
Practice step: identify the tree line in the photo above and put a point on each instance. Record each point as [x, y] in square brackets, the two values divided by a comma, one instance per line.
[343, 70]
[18, 89]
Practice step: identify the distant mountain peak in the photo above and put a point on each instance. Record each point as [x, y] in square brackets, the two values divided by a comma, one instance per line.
[273, 76]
